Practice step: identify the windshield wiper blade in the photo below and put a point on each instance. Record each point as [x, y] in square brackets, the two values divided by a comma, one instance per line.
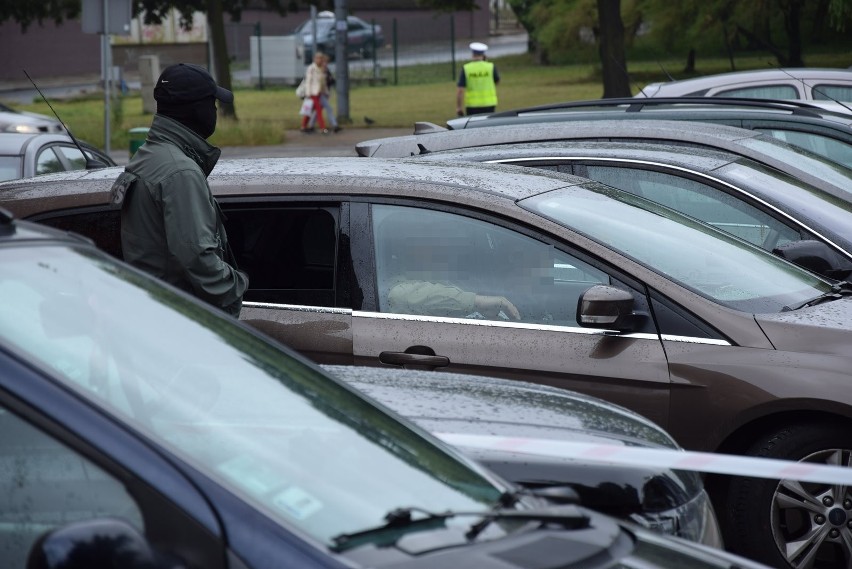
[400, 521]
[837, 290]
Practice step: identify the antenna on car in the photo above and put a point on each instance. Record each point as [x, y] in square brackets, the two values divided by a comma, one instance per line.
[626, 74]
[91, 163]
[816, 89]
[669, 75]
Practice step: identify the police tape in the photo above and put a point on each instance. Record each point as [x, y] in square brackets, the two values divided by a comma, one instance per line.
[658, 458]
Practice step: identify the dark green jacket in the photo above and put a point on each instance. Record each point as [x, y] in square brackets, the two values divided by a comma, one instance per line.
[171, 226]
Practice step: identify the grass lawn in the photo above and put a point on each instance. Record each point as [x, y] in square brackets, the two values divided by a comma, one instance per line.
[424, 93]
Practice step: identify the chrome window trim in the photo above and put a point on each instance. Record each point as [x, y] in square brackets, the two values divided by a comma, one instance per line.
[739, 190]
[297, 307]
[694, 340]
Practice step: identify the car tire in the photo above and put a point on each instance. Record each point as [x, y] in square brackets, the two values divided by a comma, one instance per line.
[765, 517]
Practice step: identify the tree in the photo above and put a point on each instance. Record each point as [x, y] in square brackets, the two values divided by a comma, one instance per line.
[611, 47]
[27, 12]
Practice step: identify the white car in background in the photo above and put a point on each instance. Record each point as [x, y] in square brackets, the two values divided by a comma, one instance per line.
[27, 123]
[809, 84]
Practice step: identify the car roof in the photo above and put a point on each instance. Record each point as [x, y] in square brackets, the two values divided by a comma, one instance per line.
[734, 77]
[259, 176]
[834, 116]
[724, 137]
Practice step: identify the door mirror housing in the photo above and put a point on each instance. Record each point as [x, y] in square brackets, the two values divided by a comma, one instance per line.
[604, 306]
[102, 543]
[815, 256]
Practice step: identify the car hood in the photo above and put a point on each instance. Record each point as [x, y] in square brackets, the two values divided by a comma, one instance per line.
[451, 402]
[822, 329]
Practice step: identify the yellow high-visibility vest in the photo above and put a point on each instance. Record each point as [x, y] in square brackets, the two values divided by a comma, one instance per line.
[480, 89]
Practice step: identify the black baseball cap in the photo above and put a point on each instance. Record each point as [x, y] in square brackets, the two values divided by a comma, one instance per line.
[187, 83]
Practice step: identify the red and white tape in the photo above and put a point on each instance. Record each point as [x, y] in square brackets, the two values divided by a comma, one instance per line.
[659, 458]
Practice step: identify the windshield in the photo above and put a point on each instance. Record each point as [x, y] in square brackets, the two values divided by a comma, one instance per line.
[298, 446]
[805, 161]
[711, 263]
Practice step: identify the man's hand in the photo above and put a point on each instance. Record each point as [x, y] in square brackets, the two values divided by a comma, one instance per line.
[459, 113]
[491, 306]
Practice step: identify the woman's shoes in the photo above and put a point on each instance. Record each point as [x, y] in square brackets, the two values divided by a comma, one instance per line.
[338, 128]
[307, 130]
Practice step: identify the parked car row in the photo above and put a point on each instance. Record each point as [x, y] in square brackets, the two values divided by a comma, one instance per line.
[620, 297]
[143, 429]
[639, 274]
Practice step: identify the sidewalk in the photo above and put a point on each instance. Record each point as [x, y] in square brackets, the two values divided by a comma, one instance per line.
[299, 144]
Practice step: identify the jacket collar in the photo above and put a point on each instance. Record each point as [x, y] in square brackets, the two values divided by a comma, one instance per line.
[165, 129]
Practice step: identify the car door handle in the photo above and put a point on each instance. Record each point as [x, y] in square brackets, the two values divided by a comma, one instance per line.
[403, 359]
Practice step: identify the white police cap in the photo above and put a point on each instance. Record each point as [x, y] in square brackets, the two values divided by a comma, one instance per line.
[478, 47]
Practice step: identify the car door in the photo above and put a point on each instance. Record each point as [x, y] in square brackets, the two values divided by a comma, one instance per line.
[296, 255]
[457, 292]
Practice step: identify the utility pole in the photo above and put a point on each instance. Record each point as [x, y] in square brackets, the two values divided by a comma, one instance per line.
[341, 56]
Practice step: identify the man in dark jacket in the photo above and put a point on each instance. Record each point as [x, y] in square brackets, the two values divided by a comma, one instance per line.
[171, 225]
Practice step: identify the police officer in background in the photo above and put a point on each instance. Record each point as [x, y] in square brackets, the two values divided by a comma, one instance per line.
[477, 86]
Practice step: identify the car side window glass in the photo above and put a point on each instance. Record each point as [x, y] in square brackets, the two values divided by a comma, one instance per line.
[436, 263]
[289, 253]
[45, 484]
[701, 201]
[74, 156]
[824, 92]
[48, 162]
[762, 92]
[831, 148]
[101, 226]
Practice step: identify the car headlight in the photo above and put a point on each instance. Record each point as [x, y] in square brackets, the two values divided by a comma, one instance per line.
[694, 520]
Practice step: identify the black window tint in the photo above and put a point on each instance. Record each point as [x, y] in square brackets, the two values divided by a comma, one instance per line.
[101, 226]
[289, 254]
[675, 321]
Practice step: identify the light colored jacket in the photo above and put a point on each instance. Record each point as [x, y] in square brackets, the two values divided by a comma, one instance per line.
[315, 84]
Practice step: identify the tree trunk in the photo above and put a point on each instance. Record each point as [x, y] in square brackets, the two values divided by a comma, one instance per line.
[615, 79]
[221, 63]
[792, 14]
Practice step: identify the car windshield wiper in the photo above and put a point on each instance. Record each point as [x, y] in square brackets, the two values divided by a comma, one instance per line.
[837, 290]
[400, 521]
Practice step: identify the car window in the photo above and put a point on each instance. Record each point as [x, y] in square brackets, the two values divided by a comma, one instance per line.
[436, 263]
[10, 168]
[825, 146]
[76, 158]
[45, 484]
[825, 92]
[289, 253]
[701, 201]
[762, 92]
[48, 162]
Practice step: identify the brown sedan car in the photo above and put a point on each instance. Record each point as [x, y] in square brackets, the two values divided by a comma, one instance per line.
[545, 277]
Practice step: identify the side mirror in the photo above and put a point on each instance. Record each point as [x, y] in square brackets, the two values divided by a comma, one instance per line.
[103, 543]
[603, 306]
[815, 256]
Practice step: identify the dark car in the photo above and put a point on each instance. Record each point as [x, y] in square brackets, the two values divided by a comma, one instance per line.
[823, 132]
[818, 84]
[143, 429]
[26, 155]
[765, 207]
[794, 161]
[671, 502]
[409, 262]
[362, 38]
